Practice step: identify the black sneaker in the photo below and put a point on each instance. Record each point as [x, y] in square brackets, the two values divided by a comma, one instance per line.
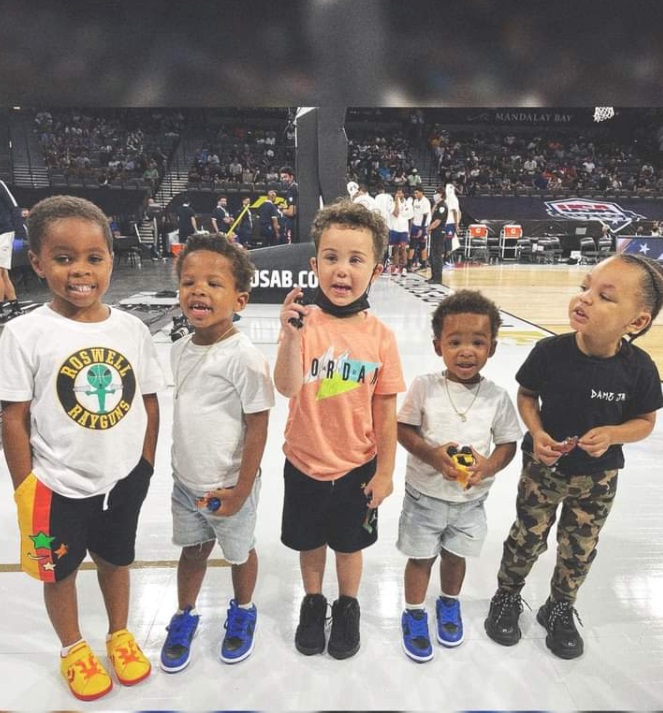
[563, 638]
[7, 316]
[501, 625]
[310, 634]
[344, 638]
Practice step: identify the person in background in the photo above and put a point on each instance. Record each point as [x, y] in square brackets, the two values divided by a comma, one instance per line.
[417, 254]
[289, 212]
[268, 220]
[438, 236]
[186, 220]
[244, 229]
[452, 226]
[221, 218]
[8, 299]
[399, 232]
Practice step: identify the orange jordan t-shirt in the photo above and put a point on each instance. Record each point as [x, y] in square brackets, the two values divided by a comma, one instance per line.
[330, 431]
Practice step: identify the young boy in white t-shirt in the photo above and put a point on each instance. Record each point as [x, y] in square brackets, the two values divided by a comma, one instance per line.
[78, 383]
[223, 393]
[443, 507]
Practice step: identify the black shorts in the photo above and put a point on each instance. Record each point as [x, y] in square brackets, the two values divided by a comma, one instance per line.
[421, 240]
[324, 512]
[57, 532]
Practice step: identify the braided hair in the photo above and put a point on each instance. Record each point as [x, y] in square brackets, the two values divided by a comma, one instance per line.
[651, 285]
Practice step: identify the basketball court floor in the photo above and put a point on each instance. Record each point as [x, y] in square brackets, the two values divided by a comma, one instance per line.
[621, 604]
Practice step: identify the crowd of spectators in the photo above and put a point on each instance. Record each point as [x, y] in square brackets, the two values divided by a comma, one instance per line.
[380, 157]
[242, 154]
[125, 145]
[548, 161]
[104, 147]
[399, 147]
[120, 147]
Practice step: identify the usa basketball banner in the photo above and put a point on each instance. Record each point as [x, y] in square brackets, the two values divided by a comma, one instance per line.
[606, 212]
[616, 213]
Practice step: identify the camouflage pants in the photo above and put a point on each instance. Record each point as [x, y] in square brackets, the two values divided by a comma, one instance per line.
[586, 501]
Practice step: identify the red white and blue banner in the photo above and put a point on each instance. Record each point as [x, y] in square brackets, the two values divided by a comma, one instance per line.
[607, 212]
[615, 213]
[651, 247]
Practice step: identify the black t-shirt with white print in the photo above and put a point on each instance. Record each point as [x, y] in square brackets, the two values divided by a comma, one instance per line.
[578, 392]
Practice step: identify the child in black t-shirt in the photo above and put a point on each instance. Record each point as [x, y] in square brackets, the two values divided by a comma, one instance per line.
[581, 396]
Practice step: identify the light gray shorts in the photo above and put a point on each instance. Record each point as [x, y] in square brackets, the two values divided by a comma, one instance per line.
[194, 526]
[6, 247]
[428, 525]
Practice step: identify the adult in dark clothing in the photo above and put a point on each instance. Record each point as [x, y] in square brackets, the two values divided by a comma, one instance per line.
[291, 198]
[20, 230]
[437, 238]
[268, 219]
[186, 220]
[221, 218]
[244, 229]
[155, 212]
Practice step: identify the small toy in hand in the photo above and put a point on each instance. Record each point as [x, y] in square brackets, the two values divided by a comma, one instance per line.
[298, 321]
[209, 503]
[181, 327]
[463, 459]
[371, 513]
[568, 444]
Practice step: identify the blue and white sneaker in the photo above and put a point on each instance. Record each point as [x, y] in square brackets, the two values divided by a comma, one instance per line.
[416, 639]
[449, 622]
[176, 650]
[240, 627]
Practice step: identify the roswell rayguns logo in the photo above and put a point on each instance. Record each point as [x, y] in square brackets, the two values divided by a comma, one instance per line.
[340, 374]
[96, 387]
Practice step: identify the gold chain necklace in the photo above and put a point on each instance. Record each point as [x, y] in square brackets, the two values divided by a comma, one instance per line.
[461, 414]
[180, 382]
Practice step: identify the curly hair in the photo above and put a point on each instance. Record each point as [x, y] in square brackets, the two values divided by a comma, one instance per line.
[241, 267]
[651, 285]
[351, 215]
[466, 302]
[54, 208]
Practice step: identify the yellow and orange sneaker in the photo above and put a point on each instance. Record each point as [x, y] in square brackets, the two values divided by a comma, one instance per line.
[86, 677]
[129, 662]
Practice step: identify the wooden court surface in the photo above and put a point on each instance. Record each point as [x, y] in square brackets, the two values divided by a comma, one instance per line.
[539, 294]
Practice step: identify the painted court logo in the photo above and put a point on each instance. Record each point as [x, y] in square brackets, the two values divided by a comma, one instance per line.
[96, 387]
[585, 209]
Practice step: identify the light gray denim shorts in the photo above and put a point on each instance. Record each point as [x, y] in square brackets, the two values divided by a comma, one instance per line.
[428, 525]
[193, 525]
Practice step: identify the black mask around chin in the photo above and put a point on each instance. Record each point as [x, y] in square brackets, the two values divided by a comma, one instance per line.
[326, 305]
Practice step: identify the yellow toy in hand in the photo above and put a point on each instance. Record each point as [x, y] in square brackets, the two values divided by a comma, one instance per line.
[463, 459]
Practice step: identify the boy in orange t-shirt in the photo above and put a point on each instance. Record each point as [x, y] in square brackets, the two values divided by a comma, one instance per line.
[341, 371]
